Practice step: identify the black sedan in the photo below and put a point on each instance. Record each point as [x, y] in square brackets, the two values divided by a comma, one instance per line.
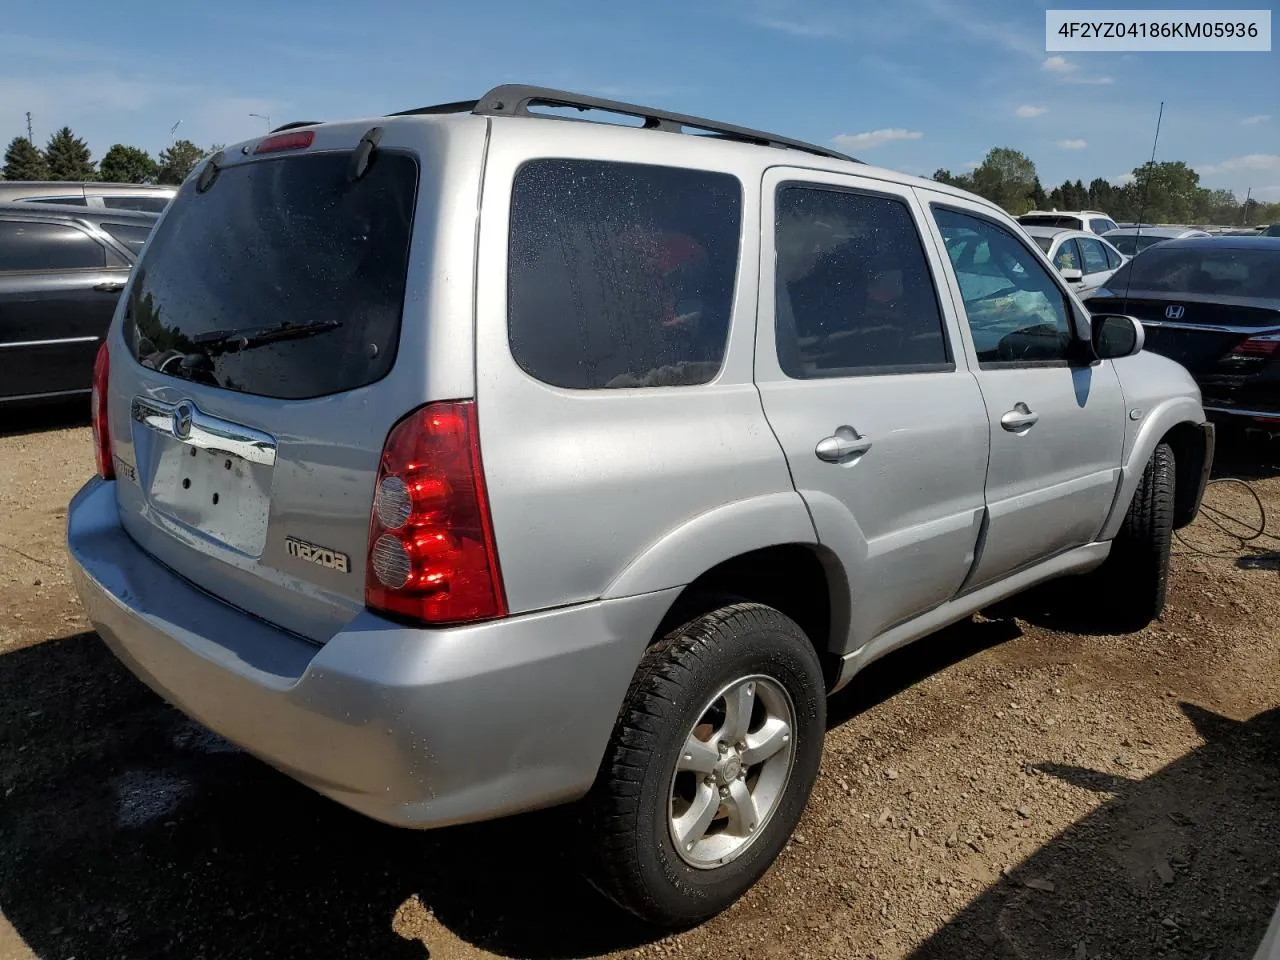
[61, 273]
[1213, 305]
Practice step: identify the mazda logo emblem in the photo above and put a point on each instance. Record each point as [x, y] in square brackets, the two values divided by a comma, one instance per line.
[1175, 312]
[182, 419]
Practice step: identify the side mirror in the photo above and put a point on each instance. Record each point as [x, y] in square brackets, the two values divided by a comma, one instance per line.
[1116, 336]
[1072, 275]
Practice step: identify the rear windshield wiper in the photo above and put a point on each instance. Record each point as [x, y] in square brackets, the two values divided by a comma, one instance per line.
[233, 341]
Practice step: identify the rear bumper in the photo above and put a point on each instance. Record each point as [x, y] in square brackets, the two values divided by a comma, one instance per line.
[1239, 414]
[412, 727]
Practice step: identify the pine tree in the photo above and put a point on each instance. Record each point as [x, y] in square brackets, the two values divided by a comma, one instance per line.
[22, 161]
[122, 164]
[68, 157]
[178, 160]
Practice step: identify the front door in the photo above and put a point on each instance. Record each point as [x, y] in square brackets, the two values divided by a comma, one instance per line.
[1057, 427]
[858, 366]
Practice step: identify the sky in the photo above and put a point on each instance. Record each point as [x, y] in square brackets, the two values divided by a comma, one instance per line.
[909, 84]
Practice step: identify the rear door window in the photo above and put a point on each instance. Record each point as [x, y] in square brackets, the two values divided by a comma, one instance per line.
[132, 235]
[854, 291]
[47, 246]
[283, 279]
[1095, 258]
[621, 274]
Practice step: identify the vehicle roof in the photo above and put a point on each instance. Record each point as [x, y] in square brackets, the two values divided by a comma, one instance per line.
[1066, 213]
[69, 212]
[1157, 231]
[1224, 242]
[56, 186]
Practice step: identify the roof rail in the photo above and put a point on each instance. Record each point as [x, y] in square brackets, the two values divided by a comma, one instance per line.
[514, 100]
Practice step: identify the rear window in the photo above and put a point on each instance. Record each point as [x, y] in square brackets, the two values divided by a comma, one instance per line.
[621, 274]
[1203, 269]
[1049, 220]
[1131, 244]
[1044, 243]
[283, 279]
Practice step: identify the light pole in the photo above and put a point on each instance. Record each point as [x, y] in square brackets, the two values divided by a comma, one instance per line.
[264, 119]
[172, 130]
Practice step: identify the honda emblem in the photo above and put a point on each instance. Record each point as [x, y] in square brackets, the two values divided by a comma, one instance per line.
[1175, 312]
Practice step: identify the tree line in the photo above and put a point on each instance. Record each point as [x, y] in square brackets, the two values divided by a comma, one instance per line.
[1167, 192]
[67, 157]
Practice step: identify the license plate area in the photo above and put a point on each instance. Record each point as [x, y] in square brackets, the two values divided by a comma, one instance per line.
[207, 474]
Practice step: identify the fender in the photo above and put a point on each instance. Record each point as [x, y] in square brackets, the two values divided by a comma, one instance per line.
[694, 547]
[1155, 424]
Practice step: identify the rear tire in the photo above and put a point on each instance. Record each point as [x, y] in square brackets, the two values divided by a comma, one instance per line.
[1135, 577]
[744, 676]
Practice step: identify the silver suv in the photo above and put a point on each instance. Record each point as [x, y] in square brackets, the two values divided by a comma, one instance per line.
[469, 460]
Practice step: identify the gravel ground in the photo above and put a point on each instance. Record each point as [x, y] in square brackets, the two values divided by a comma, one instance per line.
[1021, 785]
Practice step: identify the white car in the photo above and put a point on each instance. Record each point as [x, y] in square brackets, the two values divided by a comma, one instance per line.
[1090, 221]
[1084, 260]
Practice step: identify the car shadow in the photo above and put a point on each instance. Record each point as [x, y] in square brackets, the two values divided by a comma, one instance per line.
[23, 418]
[127, 830]
[1181, 863]
[1247, 455]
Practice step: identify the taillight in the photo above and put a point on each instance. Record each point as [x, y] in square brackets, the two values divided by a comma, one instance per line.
[432, 557]
[98, 414]
[1257, 348]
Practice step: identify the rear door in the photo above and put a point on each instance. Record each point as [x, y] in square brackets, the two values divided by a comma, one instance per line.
[862, 380]
[1057, 429]
[58, 288]
[267, 346]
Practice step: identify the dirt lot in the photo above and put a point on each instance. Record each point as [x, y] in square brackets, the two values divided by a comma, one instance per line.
[1017, 786]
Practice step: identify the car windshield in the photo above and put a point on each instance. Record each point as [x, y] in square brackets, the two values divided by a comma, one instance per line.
[1131, 244]
[1204, 269]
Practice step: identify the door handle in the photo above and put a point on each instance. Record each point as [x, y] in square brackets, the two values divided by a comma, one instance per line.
[109, 286]
[1019, 418]
[843, 446]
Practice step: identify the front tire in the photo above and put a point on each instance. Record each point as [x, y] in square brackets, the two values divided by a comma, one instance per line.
[712, 760]
[1135, 577]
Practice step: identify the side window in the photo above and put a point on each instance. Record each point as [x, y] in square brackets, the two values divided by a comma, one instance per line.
[1068, 256]
[61, 201]
[1016, 310]
[147, 204]
[1113, 256]
[621, 274]
[47, 246]
[1095, 258]
[132, 235]
[854, 292]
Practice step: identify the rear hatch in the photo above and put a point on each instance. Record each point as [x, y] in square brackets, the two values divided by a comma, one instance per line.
[268, 350]
[1212, 306]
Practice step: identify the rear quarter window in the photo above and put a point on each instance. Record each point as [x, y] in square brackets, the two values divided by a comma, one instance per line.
[621, 274]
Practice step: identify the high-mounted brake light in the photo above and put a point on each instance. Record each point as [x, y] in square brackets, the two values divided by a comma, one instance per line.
[432, 557]
[98, 414]
[294, 140]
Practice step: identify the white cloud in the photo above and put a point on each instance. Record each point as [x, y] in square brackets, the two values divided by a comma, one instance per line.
[1255, 119]
[973, 165]
[1089, 80]
[981, 27]
[1057, 64]
[1026, 111]
[1251, 161]
[875, 138]
[1071, 144]
[1122, 180]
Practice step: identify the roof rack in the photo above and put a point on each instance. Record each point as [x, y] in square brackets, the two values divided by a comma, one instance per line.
[514, 100]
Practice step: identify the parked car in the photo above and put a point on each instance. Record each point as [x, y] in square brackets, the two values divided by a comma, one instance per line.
[95, 194]
[1213, 305]
[453, 511]
[1133, 240]
[1085, 261]
[1271, 231]
[61, 273]
[1088, 221]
